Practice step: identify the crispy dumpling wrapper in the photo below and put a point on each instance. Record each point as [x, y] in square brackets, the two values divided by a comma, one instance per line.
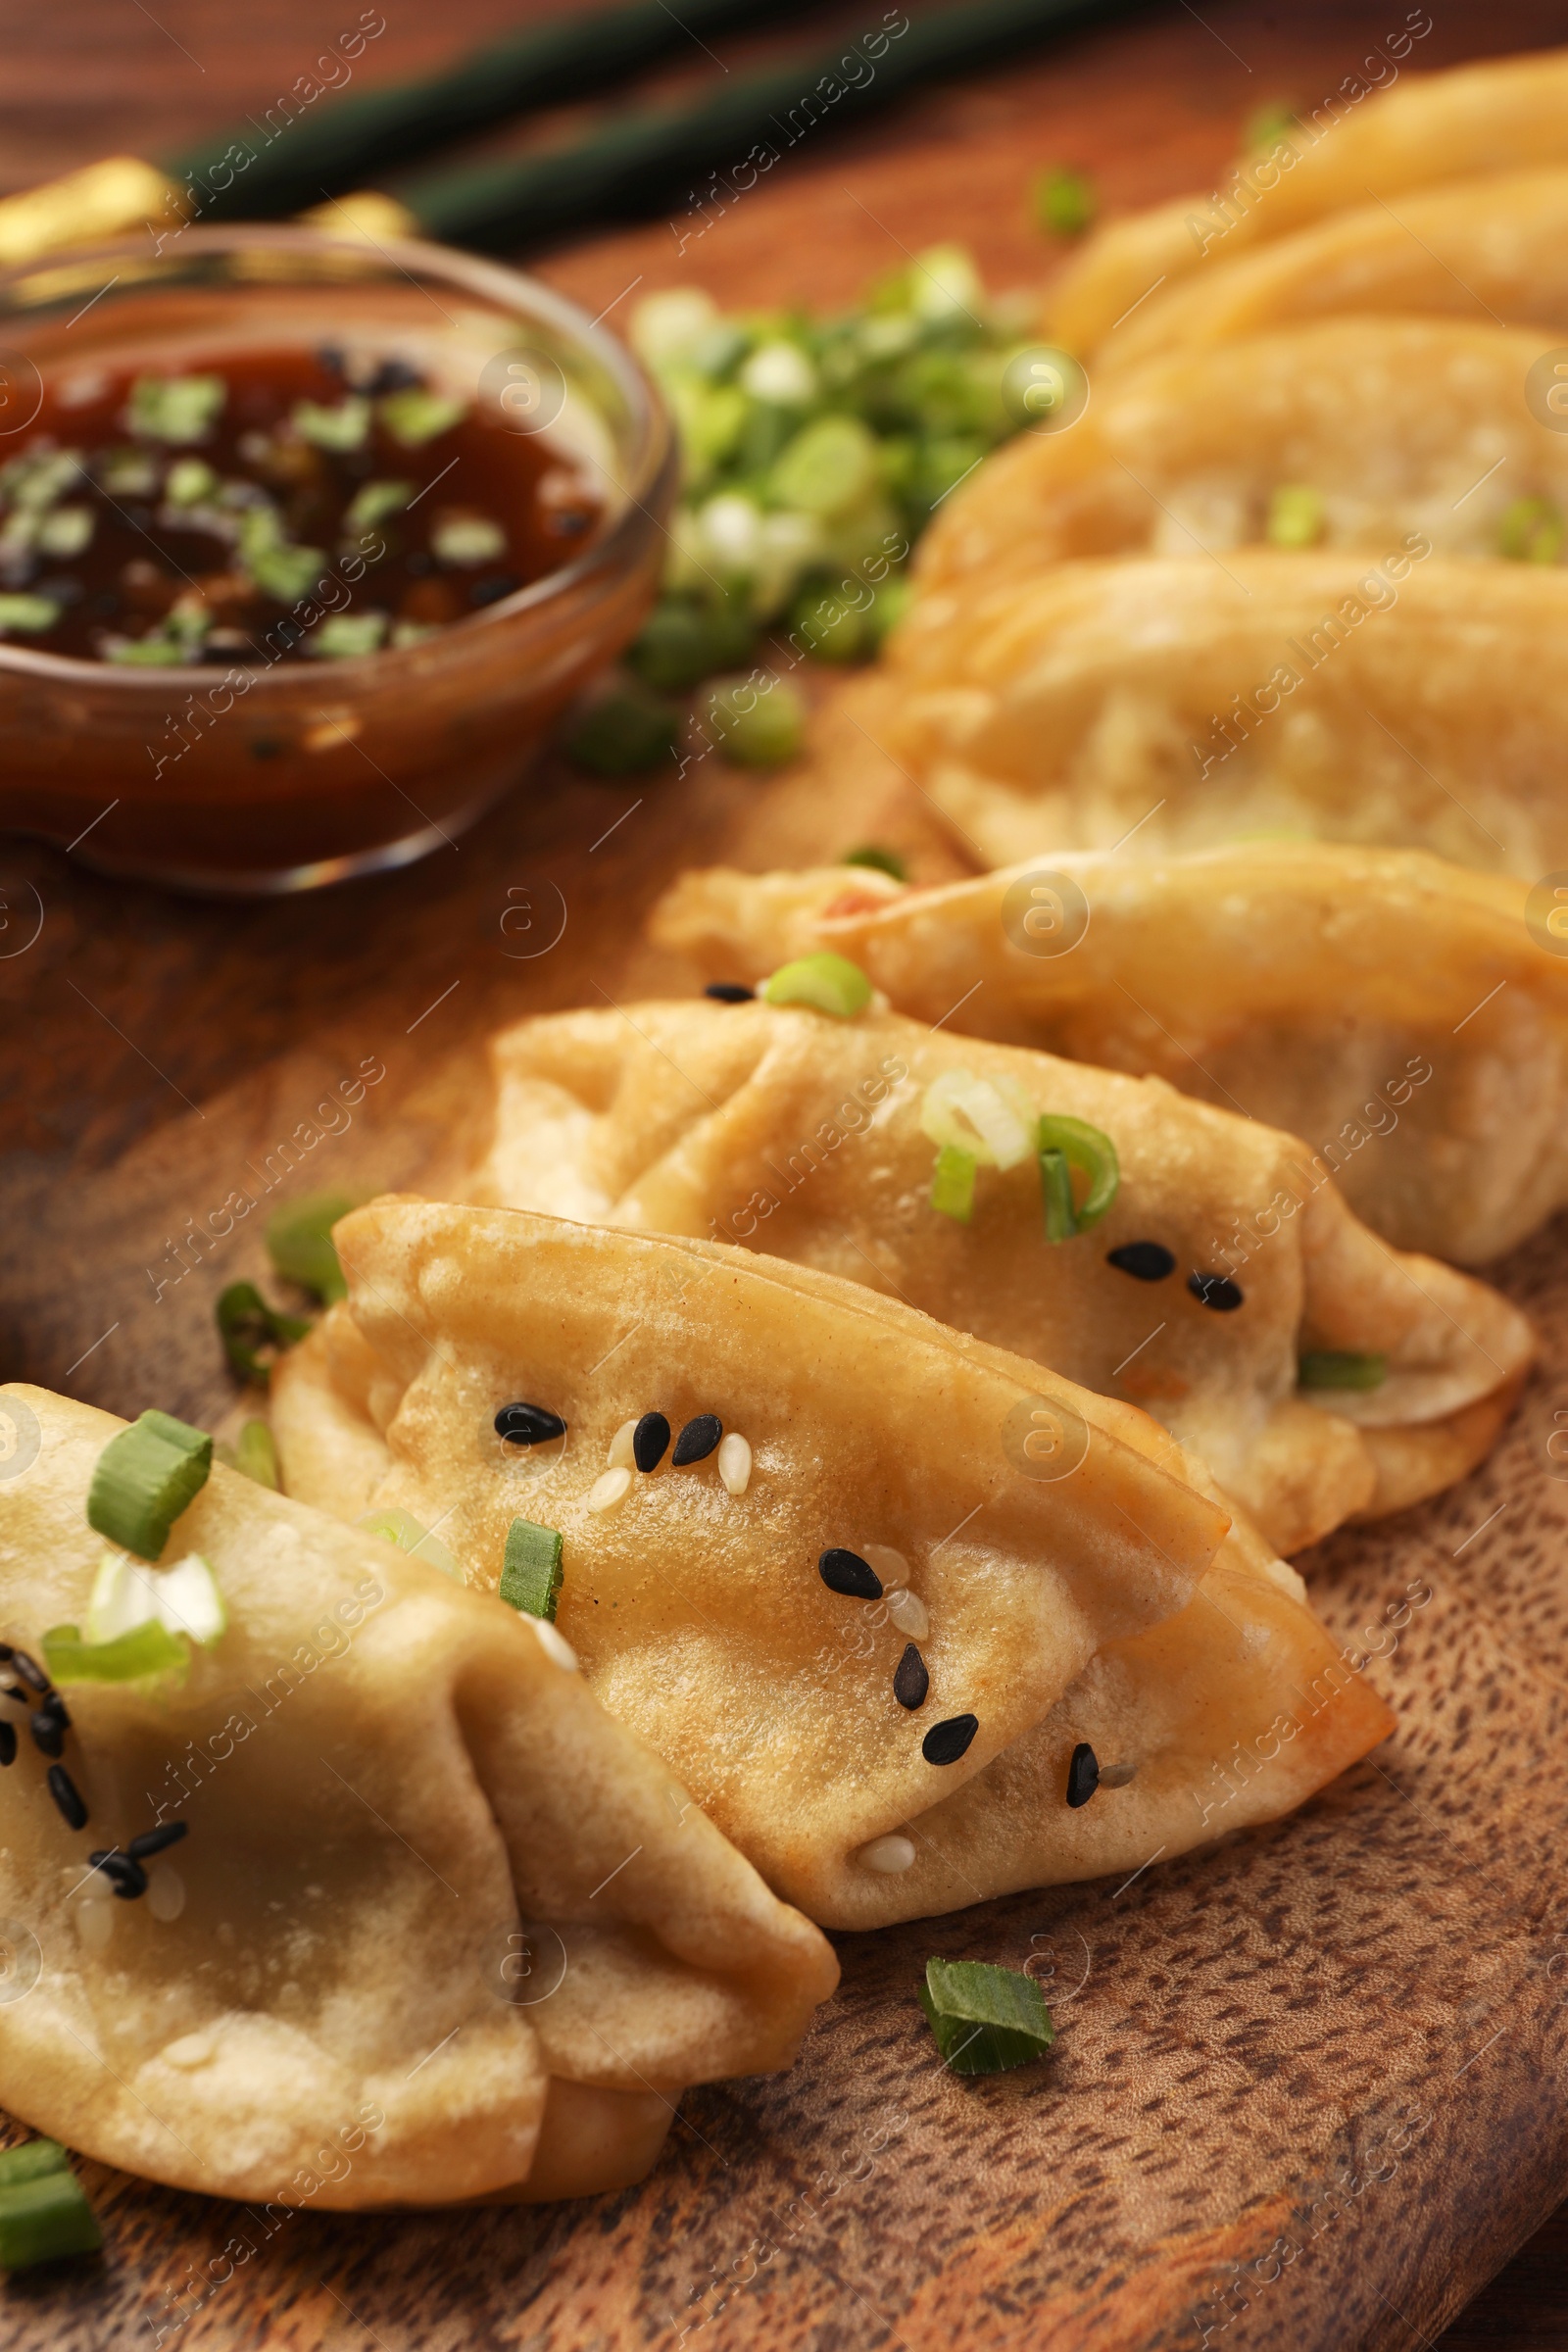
[1398, 1012]
[1359, 144]
[790, 1132]
[700, 1614]
[1396, 425]
[440, 1930]
[1411, 703]
[1494, 249]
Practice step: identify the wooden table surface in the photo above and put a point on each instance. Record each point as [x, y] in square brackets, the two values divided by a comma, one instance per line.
[148, 1044]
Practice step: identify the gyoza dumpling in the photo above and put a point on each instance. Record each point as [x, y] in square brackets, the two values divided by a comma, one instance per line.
[1358, 144]
[1481, 249]
[404, 1815]
[1396, 1011]
[787, 1131]
[915, 1552]
[1352, 433]
[1416, 703]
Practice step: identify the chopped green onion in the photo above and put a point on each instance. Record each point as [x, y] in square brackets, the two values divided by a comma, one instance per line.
[374, 502]
[780, 375]
[175, 408]
[254, 1455]
[763, 732]
[190, 482]
[828, 628]
[346, 426]
[401, 1528]
[28, 614]
[189, 1600]
[144, 1478]
[66, 530]
[31, 2161]
[166, 646]
[129, 474]
[133, 1658]
[666, 327]
[1295, 516]
[684, 640]
[888, 607]
[253, 1333]
[623, 731]
[286, 573]
[345, 636]
[1270, 124]
[1341, 1368]
[299, 1243]
[1531, 531]
[991, 1118]
[953, 1183]
[985, 2019]
[1093, 1154]
[33, 482]
[45, 2216]
[827, 468]
[830, 983]
[418, 416]
[530, 1579]
[182, 1600]
[1064, 201]
[879, 859]
[468, 539]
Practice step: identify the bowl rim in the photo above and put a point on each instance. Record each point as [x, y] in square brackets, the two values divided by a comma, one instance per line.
[510, 289]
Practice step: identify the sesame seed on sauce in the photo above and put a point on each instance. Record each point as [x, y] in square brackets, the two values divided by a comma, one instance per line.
[1216, 1291]
[730, 992]
[1083, 1775]
[68, 1796]
[1144, 1261]
[528, 1424]
[697, 1440]
[945, 1742]
[910, 1680]
[846, 1573]
[648, 1441]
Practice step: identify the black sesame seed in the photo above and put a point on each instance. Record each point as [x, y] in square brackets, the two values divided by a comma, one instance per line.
[68, 1796]
[7, 1742]
[394, 375]
[730, 992]
[154, 1841]
[7, 1653]
[910, 1682]
[1083, 1775]
[649, 1440]
[528, 1424]
[125, 1876]
[846, 1573]
[697, 1439]
[945, 1742]
[491, 591]
[1144, 1261]
[1216, 1291]
[29, 1670]
[48, 1732]
[55, 1705]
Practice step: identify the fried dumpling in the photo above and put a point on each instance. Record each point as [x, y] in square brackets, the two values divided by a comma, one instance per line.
[1359, 144]
[1415, 702]
[1494, 249]
[440, 1930]
[1225, 1258]
[1398, 1012]
[915, 1553]
[1350, 433]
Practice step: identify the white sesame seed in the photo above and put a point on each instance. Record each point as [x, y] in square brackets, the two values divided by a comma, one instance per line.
[555, 1643]
[891, 1566]
[909, 1613]
[610, 1489]
[735, 1463]
[887, 1855]
[621, 1456]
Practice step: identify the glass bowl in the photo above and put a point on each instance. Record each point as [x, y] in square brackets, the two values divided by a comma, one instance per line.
[261, 779]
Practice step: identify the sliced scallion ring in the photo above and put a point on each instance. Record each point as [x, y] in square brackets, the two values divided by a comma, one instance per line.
[144, 1478]
[404, 1529]
[1092, 1154]
[985, 2019]
[184, 1599]
[1341, 1368]
[991, 1118]
[44, 2215]
[254, 1455]
[827, 982]
[1055, 1191]
[134, 1658]
[299, 1243]
[952, 1184]
[31, 2161]
[253, 1333]
[530, 1578]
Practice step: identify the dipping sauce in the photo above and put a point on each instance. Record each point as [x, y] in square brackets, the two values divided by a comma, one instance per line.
[290, 506]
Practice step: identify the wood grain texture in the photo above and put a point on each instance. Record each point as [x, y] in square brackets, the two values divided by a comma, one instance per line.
[1308, 2090]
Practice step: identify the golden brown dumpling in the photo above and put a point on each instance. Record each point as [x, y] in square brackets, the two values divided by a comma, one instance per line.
[404, 1813]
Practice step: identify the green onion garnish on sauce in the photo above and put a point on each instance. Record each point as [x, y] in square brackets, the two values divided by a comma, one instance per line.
[985, 2019]
[253, 1333]
[299, 1243]
[830, 983]
[144, 1478]
[1065, 1144]
[416, 415]
[1341, 1368]
[136, 1658]
[43, 2212]
[953, 1183]
[345, 426]
[530, 1579]
[175, 408]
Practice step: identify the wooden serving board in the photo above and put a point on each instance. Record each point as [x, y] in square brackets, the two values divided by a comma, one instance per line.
[1308, 2087]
